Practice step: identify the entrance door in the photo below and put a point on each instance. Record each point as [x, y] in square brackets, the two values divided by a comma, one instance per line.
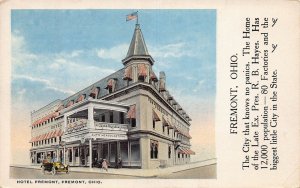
[82, 156]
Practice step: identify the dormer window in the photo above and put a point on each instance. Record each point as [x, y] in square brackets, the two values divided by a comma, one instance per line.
[70, 103]
[80, 98]
[153, 77]
[94, 92]
[111, 84]
[128, 73]
[142, 72]
[131, 115]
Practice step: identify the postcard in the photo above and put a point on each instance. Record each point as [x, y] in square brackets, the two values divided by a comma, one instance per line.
[166, 94]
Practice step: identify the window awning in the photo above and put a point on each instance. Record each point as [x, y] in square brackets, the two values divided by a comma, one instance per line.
[142, 70]
[128, 73]
[58, 133]
[70, 103]
[186, 151]
[166, 123]
[131, 114]
[185, 134]
[94, 92]
[60, 108]
[153, 76]
[80, 98]
[155, 116]
[52, 115]
[110, 83]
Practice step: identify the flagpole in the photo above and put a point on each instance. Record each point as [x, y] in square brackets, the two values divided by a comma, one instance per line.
[137, 18]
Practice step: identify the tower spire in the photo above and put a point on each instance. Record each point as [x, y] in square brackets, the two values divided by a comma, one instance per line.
[137, 48]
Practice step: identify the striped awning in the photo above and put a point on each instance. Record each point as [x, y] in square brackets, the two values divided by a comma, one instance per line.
[110, 83]
[80, 98]
[155, 116]
[94, 92]
[128, 73]
[70, 103]
[131, 114]
[186, 151]
[185, 134]
[142, 70]
[52, 115]
[60, 108]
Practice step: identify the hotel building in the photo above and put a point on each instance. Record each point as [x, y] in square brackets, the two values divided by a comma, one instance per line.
[129, 114]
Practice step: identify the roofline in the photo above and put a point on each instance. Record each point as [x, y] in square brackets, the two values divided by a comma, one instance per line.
[150, 86]
[138, 57]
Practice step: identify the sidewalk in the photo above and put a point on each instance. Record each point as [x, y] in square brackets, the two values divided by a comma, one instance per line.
[136, 172]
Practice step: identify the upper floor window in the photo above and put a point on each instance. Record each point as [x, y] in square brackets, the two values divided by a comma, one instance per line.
[142, 72]
[131, 115]
[121, 117]
[111, 85]
[169, 152]
[111, 117]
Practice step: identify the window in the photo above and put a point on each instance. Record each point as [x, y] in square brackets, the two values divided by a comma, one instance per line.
[178, 155]
[76, 152]
[111, 117]
[154, 149]
[153, 124]
[168, 131]
[169, 152]
[121, 117]
[163, 129]
[141, 78]
[133, 122]
[103, 118]
[55, 139]
[182, 155]
[70, 155]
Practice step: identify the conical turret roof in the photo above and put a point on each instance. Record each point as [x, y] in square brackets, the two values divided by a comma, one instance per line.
[137, 48]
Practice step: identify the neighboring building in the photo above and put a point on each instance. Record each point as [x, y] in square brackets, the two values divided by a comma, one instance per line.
[129, 115]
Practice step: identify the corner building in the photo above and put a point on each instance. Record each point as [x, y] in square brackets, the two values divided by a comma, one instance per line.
[129, 115]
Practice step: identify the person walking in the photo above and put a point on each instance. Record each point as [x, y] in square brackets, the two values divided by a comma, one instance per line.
[105, 165]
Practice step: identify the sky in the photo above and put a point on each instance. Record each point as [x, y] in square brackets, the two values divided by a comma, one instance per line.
[56, 53]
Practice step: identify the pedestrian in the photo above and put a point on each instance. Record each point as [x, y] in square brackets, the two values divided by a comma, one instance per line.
[104, 165]
[119, 163]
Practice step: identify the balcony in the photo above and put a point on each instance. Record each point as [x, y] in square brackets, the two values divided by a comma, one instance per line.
[88, 121]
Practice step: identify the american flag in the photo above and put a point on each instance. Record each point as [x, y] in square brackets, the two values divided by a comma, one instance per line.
[132, 16]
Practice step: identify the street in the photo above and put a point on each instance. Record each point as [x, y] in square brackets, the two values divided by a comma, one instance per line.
[204, 172]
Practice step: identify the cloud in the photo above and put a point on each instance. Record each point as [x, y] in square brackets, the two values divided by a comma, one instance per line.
[175, 50]
[63, 72]
[45, 84]
[115, 53]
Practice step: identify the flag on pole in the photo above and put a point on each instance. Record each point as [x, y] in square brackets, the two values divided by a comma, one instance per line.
[132, 16]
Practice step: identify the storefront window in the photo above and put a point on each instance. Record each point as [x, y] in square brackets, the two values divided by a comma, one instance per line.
[135, 151]
[113, 152]
[124, 151]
